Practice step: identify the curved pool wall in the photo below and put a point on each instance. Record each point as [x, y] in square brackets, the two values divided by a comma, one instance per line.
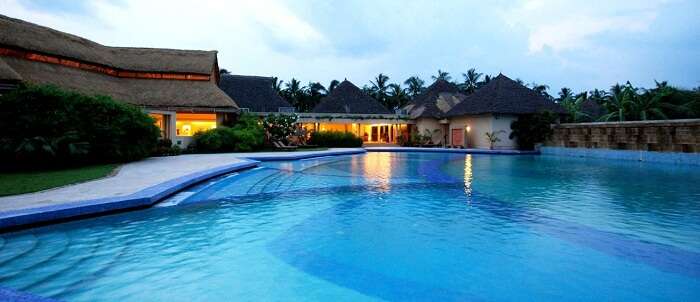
[30, 217]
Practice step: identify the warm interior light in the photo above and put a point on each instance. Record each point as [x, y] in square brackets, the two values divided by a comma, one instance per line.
[468, 128]
[188, 124]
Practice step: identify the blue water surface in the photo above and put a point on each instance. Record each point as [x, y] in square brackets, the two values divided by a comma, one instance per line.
[386, 226]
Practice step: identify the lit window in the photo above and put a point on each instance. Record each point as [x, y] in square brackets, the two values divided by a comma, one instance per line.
[188, 124]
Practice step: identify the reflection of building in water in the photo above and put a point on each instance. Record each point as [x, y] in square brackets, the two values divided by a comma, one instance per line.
[468, 177]
[377, 167]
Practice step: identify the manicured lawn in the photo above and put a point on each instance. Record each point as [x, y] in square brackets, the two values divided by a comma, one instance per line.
[26, 182]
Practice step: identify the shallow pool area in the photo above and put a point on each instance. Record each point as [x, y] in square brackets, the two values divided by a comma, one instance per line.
[386, 226]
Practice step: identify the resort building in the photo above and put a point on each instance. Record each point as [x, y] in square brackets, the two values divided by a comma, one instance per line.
[428, 110]
[492, 109]
[176, 87]
[348, 109]
[254, 94]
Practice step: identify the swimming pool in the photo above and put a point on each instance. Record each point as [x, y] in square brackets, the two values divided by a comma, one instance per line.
[386, 226]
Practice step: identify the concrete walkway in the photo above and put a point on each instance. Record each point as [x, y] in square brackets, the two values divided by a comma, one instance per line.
[137, 176]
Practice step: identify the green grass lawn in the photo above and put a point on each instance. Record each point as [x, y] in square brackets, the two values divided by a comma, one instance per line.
[26, 182]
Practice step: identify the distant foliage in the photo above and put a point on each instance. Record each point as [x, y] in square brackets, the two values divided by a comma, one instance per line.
[246, 135]
[529, 130]
[47, 127]
[336, 139]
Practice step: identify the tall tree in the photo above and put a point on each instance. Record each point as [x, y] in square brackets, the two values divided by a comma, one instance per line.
[487, 79]
[617, 102]
[379, 88]
[414, 86]
[442, 75]
[565, 93]
[295, 94]
[332, 85]
[471, 80]
[397, 97]
[277, 84]
[541, 89]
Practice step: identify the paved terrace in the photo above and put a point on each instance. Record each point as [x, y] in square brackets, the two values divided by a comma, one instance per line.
[136, 176]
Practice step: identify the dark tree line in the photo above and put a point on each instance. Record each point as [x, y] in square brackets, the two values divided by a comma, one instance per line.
[619, 103]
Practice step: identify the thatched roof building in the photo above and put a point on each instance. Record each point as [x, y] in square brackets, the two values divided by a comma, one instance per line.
[254, 93]
[435, 101]
[348, 98]
[504, 96]
[151, 78]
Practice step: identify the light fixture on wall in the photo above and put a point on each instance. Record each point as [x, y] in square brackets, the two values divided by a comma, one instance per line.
[468, 128]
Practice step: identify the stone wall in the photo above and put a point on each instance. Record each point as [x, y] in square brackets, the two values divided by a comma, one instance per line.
[661, 136]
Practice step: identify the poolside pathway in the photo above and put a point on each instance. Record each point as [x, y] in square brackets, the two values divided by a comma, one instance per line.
[136, 176]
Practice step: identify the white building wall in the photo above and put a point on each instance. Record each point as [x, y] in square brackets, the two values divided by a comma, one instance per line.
[430, 124]
[502, 123]
[479, 125]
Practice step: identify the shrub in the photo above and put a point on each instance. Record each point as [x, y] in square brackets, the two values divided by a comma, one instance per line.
[529, 130]
[246, 135]
[45, 127]
[335, 139]
[165, 147]
[279, 127]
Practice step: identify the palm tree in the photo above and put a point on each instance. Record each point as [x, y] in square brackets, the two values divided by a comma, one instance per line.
[617, 102]
[574, 107]
[332, 85]
[565, 93]
[379, 85]
[541, 89]
[652, 103]
[379, 88]
[471, 80]
[415, 86]
[316, 88]
[277, 84]
[442, 75]
[397, 96]
[295, 93]
[519, 81]
[487, 79]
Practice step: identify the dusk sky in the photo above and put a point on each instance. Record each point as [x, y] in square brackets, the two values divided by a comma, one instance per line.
[578, 44]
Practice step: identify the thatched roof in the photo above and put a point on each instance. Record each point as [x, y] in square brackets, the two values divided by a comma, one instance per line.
[503, 95]
[435, 101]
[252, 92]
[7, 73]
[151, 93]
[30, 36]
[348, 98]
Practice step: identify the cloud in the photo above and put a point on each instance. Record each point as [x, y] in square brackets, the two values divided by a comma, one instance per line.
[566, 25]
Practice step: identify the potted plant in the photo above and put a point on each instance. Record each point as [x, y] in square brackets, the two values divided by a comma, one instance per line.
[493, 138]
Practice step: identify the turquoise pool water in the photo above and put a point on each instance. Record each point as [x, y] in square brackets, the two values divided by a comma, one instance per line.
[386, 226]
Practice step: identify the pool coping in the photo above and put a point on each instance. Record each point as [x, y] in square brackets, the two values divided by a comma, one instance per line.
[452, 150]
[13, 220]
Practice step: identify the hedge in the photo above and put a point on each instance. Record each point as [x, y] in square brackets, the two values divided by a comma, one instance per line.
[245, 135]
[335, 139]
[48, 127]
